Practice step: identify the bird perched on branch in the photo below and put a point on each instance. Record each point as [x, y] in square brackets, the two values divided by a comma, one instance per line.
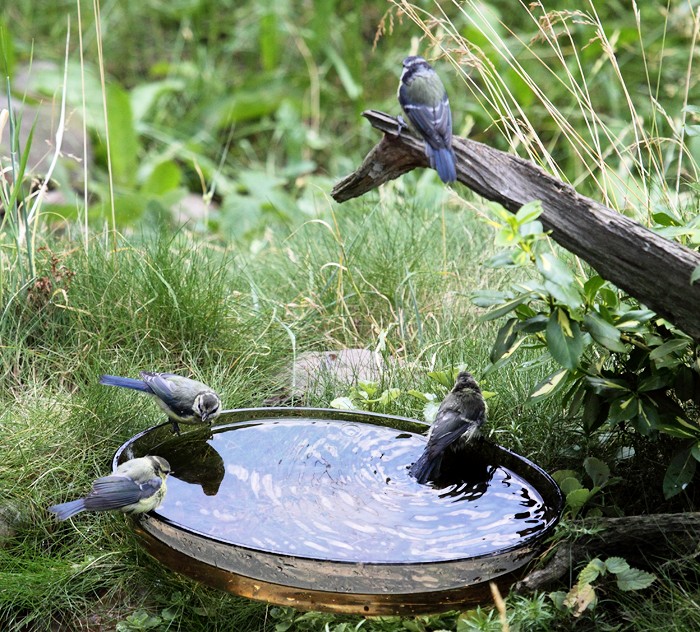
[137, 486]
[424, 101]
[184, 400]
[456, 425]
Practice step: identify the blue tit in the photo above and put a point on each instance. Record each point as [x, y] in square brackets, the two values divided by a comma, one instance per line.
[424, 101]
[456, 425]
[184, 400]
[135, 487]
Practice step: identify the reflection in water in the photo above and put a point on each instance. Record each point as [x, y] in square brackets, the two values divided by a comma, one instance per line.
[194, 460]
[341, 491]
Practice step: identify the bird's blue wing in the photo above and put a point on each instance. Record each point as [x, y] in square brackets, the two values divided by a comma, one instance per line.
[115, 492]
[433, 122]
[161, 387]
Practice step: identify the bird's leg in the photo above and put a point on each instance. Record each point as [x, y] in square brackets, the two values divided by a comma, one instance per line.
[176, 427]
[402, 125]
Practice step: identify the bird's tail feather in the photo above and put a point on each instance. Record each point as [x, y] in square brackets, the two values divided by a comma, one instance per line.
[424, 468]
[125, 382]
[66, 510]
[443, 161]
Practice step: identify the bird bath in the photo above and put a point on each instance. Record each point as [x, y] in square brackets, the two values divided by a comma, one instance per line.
[314, 508]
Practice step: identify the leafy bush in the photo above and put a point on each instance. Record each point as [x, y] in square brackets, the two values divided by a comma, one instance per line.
[619, 364]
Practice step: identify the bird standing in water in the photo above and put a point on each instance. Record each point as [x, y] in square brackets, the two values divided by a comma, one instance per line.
[137, 486]
[424, 100]
[184, 400]
[456, 425]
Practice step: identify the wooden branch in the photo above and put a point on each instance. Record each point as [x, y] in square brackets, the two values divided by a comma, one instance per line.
[649, 267]
[639, 539]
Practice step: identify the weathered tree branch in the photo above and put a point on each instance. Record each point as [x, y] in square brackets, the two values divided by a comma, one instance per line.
[649, 267]
[639, 539]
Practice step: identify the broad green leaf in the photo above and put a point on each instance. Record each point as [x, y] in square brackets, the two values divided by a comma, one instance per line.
[509, 306]
[247, 105]
[594, 569]
[654, 382]
[603, 332]
[343, 403]
[665, 218]
[677, 426]
[567, 295]
[389, 396]
[371, 388]
[531, 228]
[559, 280]
[488, 298]
[634, 319]
[570, 484]
[550, 385]
[647, 418]
[609, 297]
[166, 176]
[591, 287]
[123, 141]
[667, 348]
[529, 212]
[504, 259]
[505, 358]
[623, 409]
[558, 597]
[424, 397]
[607, 386]
[533, 324]
[617, 565]
[561, 475]
[446, 378]
[598, 470]
[576, 499]
[554, 269]
[680, 473]
[634, 579]
[504, 339]
[564, 339]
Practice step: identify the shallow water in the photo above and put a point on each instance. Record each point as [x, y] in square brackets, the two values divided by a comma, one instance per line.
[341, 491]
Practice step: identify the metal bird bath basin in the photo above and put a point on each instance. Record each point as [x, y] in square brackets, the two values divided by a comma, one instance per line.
[314, 508]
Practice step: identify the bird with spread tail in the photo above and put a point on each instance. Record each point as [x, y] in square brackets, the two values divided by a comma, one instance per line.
[183, 400]
[457, 424]
[136, 486]
[424, 101]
